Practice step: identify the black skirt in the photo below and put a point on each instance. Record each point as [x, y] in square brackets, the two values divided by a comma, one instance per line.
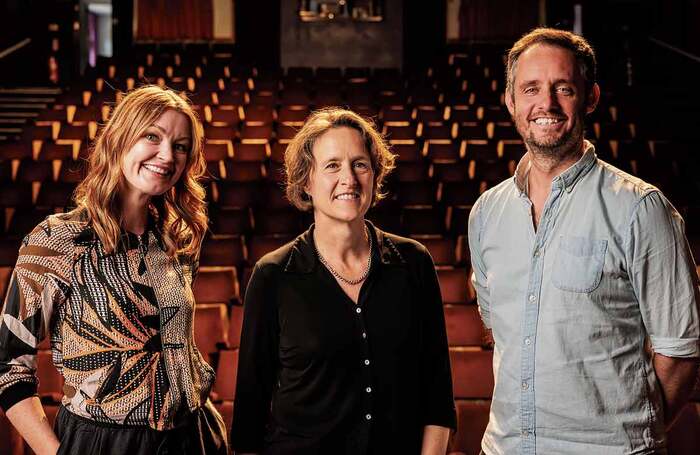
[204, 434]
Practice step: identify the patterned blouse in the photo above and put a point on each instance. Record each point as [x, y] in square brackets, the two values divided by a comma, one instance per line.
[121, 326]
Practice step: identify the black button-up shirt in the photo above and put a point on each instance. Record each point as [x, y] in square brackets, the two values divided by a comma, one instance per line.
[318, 373]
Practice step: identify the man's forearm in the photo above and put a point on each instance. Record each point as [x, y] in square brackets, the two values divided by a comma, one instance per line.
[677, 378]
[435, 440]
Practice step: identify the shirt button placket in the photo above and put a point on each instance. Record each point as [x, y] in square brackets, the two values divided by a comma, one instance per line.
[528, 352]
[366, 362]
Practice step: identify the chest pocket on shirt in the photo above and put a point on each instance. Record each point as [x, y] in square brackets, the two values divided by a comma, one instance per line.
[578, 266]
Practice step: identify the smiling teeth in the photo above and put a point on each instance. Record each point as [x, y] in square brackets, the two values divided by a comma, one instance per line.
[347, 196]
[156, 169]
[547, 121]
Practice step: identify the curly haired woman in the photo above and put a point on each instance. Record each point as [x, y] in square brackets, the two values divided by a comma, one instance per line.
[110, 283]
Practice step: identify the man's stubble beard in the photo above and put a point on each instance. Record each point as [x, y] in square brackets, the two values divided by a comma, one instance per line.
[569, 144]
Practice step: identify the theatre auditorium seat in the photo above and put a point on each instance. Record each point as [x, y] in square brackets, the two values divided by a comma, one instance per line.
[453, 285]
[210, 328]
[472, 374]
[464, 327]
[226, 371]
[216, 285]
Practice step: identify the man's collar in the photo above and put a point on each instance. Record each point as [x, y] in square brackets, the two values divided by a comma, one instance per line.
[303, 258]
[567, 179]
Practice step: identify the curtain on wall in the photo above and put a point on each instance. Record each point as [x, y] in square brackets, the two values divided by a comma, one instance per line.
[481, 20]
[169, 20]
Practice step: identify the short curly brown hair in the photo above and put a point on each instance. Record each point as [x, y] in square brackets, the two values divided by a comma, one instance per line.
[299, 158]
[583, 52]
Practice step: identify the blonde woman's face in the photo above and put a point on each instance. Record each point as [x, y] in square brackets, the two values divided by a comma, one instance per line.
[341, 182]
[156, 161]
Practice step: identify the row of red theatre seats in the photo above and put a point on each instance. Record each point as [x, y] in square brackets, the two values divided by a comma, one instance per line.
[220, 131]
[447, 163]
[228, 109]
[28, 183]
[294, 76]
[318, 97]
[247, 77]
[227, 125]
[245, 162]
[235, 229]
[440, 169]
[47, 149]
[451, 176]
[221, 146]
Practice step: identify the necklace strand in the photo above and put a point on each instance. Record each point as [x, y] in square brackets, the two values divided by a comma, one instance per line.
[342, 278]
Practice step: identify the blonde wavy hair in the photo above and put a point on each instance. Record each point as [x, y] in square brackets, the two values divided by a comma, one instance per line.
[180, 212]
[299, 158]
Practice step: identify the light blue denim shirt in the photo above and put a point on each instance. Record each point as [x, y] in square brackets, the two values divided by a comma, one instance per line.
[571, 305]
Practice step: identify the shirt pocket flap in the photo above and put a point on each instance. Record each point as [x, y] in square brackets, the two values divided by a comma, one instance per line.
[578, 265]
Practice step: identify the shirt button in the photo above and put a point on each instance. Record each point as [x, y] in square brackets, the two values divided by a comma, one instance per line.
[528, 342]
[368, 416]
[524, 434]
[364, 334]
[366, 361]
[368, 389]
[531, 298]
[358, 310]
[537, 253]
[525, 385]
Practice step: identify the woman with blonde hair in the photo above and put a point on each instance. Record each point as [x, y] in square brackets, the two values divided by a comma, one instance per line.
[343, 349]
[110, 283]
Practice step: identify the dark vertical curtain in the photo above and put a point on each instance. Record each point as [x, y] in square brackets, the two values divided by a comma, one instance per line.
[168, 20]
[481, 20]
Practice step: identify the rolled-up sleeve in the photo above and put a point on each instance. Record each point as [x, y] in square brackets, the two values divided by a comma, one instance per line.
[663, 275]
[38, 285]
[479, 278]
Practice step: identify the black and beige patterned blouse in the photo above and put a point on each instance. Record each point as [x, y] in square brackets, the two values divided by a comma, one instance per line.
[121, 326]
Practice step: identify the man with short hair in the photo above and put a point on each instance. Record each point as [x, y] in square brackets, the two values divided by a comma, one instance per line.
[576, 265]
